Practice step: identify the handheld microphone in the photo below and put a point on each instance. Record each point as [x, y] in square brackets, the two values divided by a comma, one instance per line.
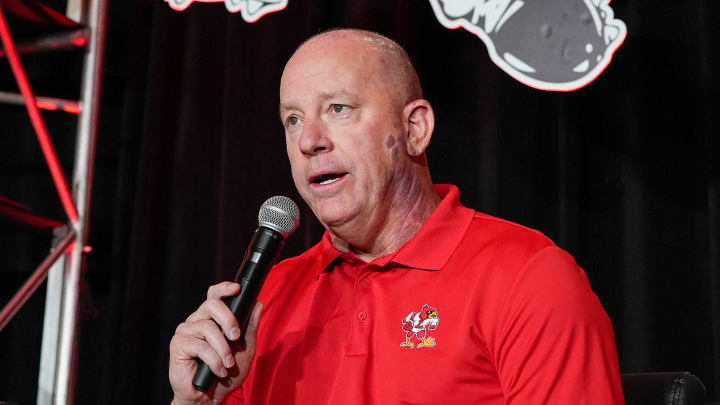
[278, 218]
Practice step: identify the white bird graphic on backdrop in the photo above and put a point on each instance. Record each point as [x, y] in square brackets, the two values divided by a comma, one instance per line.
[251, 10]
[546, 44]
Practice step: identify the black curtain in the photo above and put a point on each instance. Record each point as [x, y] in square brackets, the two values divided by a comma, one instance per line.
[622, 173]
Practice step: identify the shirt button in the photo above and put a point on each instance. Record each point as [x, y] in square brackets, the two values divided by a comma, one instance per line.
[361, 316]
[365, 283]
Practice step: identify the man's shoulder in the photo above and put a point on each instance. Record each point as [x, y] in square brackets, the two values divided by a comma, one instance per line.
[292, 269]
[487, 231]
[496, 251]
[521, 269]
[303, 260]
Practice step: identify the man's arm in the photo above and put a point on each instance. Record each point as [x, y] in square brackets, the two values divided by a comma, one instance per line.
[554, 343]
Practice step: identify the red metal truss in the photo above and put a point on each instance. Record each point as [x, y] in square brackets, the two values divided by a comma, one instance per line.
[37, 121]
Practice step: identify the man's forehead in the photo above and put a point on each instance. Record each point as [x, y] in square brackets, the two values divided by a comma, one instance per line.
[338, 66]
[347, 53]
[327, 75]
[351, 58]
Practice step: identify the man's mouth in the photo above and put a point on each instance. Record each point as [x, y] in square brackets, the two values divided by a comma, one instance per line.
[327, 178]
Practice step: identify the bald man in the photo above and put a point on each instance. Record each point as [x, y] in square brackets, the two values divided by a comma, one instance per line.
[409, 297]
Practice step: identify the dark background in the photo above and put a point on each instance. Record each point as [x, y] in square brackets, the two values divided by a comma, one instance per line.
[622, 173]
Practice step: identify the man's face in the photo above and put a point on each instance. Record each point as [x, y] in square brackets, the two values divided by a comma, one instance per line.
[343, 130]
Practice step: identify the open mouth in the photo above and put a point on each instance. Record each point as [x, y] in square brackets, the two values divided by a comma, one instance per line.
[327, 178]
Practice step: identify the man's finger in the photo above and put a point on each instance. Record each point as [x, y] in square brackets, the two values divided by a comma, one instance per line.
[188, 348]
[255, 318]
[244, 354]
[216, 310]
[252, 327]
[224, 289]
[207, 330]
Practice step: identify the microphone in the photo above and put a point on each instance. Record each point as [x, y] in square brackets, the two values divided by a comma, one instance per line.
[278, 218]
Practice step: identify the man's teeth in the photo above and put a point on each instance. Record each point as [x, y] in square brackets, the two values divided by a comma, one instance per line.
[331, 180]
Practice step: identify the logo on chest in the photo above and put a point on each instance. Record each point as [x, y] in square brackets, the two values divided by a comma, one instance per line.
[417, 327]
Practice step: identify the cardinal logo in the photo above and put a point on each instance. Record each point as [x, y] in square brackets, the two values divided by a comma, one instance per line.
[251, 10]
[558, 45]
[416, 326]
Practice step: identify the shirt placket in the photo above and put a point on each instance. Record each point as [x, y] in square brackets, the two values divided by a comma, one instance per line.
[364, 314]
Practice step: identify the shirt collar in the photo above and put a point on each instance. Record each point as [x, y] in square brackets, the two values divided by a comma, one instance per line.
[441, 233]
[431, 246]
[327, 255]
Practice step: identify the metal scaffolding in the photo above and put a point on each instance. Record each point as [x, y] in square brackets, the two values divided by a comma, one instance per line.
[64, 264]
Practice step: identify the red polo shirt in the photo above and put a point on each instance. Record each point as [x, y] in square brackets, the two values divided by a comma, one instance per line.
[472, 310]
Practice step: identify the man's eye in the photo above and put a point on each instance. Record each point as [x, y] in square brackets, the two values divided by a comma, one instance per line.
[292, 120]
[338, 108]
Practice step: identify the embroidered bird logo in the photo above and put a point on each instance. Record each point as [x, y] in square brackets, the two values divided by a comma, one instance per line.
[417, 324]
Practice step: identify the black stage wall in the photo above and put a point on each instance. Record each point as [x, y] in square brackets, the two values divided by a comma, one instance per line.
[622, 173]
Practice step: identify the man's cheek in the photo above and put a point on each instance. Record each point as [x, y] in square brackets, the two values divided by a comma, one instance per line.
[299, 182]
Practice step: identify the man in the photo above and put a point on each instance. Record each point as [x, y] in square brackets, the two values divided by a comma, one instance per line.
[409, 297]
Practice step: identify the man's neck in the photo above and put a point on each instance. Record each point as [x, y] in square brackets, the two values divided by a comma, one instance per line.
[410, 207]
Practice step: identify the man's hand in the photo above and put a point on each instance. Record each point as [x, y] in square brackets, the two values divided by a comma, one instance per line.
[201, 336]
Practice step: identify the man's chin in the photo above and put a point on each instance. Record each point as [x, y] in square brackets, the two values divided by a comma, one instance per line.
[333, 215]
[334, 220]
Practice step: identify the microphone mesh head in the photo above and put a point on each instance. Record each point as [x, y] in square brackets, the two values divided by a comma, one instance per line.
[281, 214]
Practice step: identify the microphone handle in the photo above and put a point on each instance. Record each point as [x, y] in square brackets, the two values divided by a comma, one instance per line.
[261, 255]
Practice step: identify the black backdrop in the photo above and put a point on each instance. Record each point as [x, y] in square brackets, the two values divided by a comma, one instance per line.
[622, 173]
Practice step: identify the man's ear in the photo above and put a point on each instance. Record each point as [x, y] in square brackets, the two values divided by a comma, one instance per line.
[420, 121]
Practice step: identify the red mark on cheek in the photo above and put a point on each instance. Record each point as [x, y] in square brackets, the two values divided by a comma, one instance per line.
[390, 141]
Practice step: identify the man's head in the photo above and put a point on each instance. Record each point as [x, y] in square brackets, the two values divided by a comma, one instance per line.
[356, 128]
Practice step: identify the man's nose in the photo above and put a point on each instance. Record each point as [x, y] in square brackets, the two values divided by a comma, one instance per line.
[314, 138]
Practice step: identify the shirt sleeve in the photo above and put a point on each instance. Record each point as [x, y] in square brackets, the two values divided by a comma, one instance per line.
[554, 343]
[235, 398]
